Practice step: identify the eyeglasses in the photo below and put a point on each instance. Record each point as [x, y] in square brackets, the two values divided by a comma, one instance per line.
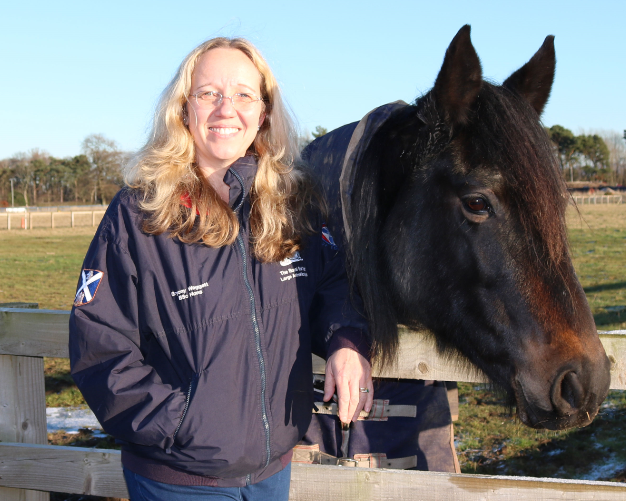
[211, 99]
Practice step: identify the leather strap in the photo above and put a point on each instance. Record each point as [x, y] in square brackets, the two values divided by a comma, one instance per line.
[381, 410]
[311, 454]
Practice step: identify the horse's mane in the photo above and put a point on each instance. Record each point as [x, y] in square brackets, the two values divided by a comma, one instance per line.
[503, 130]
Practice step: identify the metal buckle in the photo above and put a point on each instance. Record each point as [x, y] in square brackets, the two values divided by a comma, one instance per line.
[350, 463]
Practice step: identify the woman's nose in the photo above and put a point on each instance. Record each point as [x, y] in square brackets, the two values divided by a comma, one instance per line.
[226, 108]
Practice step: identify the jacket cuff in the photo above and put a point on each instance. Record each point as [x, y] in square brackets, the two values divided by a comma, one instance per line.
[350, 337]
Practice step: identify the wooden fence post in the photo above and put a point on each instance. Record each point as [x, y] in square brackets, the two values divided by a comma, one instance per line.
[23, 416]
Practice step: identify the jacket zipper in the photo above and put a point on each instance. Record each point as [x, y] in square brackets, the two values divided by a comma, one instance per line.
[192, 385]
[255, 325]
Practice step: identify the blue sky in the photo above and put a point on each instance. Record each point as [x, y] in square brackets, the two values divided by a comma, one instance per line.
[70, 69]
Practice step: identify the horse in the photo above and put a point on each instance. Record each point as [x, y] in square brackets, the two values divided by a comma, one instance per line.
[452, 214]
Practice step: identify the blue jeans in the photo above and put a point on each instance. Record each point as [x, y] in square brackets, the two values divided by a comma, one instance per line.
[274, 488]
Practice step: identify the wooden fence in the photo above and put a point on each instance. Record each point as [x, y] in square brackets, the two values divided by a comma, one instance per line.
[29, 468]
[598, 199]
[52, 219]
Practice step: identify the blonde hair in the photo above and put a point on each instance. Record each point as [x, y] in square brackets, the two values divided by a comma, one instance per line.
[164, 171]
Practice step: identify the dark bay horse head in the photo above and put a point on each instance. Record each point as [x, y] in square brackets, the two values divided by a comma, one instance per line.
[458, 226]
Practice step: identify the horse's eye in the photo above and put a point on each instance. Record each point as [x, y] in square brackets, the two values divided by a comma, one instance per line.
[477, 204]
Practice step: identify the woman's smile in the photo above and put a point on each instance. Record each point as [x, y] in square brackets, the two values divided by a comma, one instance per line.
[225, 132]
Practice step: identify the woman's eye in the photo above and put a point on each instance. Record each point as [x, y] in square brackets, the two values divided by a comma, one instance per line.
[244, 98]
[477, 204]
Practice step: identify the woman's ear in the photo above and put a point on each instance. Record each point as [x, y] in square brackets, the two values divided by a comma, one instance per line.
[185, 115]
[261, 119]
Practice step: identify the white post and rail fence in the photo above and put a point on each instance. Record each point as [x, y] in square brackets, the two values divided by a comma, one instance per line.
[598, 199]
[30, 469]
[24, 219]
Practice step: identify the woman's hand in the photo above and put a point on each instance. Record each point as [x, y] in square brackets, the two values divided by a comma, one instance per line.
[349, 371]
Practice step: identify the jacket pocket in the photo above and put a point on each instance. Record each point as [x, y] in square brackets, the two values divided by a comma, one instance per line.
[191, 390]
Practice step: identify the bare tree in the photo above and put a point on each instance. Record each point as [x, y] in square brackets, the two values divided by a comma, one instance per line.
[105, 159]
[39, 161]
[617, 154]
[23, 172]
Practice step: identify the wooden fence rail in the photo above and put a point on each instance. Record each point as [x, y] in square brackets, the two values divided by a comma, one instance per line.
[598, 199]
[29, 467]
[52, 219]
[99, 473]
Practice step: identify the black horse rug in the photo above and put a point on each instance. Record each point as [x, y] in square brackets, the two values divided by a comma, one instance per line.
[410, 424]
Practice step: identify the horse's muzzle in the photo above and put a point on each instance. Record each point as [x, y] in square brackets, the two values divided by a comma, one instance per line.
[573, 398]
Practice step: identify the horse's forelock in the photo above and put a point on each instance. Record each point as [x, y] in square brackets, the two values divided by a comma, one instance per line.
[507, 132]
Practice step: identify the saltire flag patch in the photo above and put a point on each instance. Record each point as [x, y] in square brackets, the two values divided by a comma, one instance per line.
[90, 281]
[327, 238]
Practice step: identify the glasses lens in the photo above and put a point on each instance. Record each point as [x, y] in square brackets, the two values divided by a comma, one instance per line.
[244, 101]
[208, 99]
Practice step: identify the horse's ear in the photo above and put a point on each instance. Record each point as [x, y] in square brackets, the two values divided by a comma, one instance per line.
[459, 79]
[533, 81]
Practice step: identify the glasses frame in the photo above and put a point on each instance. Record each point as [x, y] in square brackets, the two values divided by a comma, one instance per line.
[222, 97]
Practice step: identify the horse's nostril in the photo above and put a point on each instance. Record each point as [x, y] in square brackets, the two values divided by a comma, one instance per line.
[567, 393]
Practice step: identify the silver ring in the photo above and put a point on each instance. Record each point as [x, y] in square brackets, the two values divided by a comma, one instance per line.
[364, 390]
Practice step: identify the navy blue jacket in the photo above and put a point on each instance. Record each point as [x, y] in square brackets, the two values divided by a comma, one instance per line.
[200, 358]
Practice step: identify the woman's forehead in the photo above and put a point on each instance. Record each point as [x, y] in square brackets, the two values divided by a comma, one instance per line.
[225, 66]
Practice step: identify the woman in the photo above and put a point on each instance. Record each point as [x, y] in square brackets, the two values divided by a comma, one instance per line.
[204, 288]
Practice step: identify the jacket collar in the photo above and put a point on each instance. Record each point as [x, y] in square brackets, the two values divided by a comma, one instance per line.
[243, 169]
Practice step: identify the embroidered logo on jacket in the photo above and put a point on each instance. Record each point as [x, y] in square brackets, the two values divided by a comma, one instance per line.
[327, 238]
[290, 260]
[293, 271]
[87, 289]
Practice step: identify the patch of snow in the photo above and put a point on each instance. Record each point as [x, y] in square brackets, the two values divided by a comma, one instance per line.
[71, 419]
[555, 452]
[608, 469]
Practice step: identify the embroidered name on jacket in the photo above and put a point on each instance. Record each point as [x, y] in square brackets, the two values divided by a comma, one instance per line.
[87, 289]
[187, 292]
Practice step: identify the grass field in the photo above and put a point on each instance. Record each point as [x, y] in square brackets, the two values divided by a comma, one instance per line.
[598, 240]
[43, 265]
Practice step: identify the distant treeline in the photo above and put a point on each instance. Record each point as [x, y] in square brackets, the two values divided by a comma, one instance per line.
[590, 157]
[94, 176]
